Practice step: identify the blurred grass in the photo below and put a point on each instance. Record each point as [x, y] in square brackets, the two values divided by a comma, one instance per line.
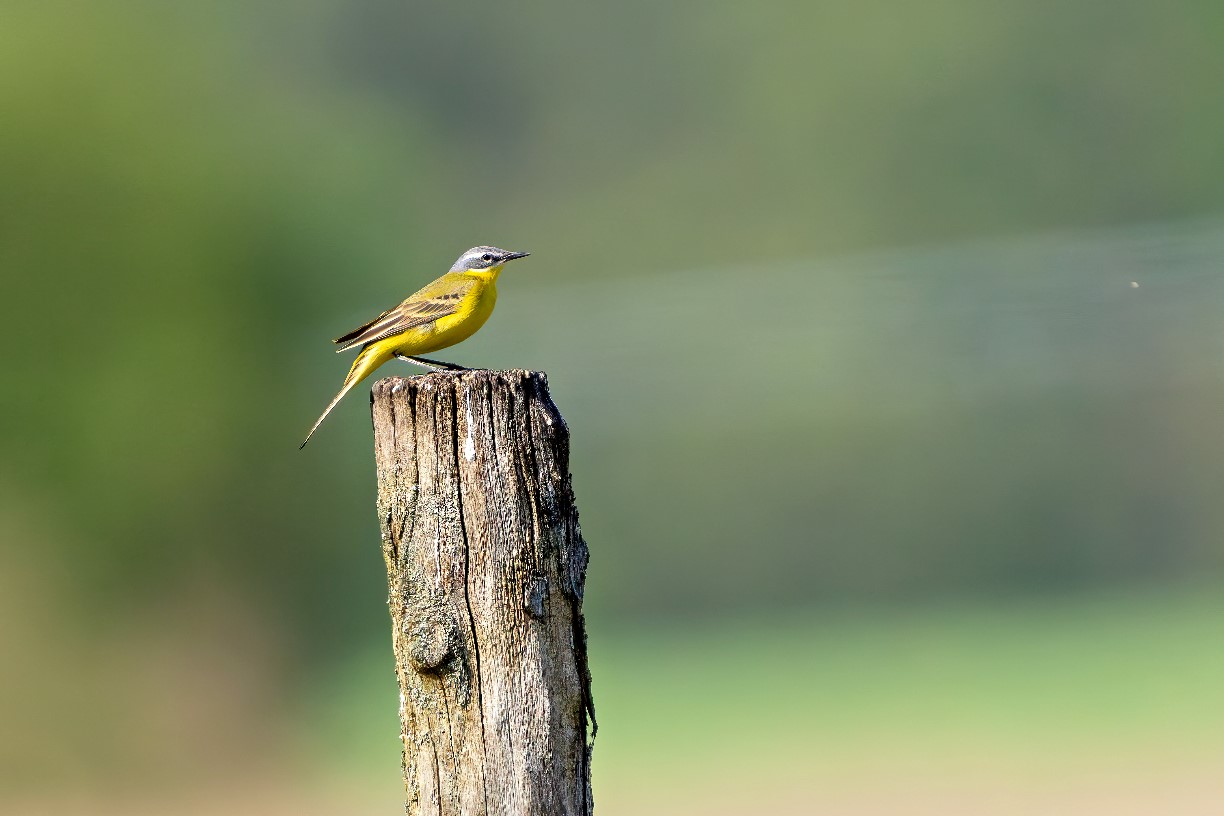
[767, 705]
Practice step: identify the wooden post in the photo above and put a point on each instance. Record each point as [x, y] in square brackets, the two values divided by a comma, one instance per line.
[486, 566]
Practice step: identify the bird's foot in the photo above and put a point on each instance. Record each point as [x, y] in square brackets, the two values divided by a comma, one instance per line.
[432, 365]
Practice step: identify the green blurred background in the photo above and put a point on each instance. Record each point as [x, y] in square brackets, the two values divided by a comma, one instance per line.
[889, 335]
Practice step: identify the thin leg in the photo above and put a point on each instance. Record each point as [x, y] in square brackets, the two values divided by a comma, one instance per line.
[432, 365]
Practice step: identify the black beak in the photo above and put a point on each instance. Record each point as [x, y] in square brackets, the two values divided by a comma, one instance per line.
[510, 256]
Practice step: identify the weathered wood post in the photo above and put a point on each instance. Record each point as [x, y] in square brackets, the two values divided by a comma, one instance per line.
[486, 566]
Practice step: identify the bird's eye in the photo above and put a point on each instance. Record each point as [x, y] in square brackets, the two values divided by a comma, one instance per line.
[486, 257]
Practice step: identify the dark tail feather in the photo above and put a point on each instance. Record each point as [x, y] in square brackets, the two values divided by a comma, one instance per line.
[326, 411]
[366, 362]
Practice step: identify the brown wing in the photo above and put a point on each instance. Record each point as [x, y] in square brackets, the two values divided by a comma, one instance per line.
[439, 299]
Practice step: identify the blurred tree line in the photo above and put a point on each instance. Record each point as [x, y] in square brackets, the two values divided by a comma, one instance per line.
[195, 199]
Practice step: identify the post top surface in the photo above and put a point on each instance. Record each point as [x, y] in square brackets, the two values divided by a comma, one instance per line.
[467, 375]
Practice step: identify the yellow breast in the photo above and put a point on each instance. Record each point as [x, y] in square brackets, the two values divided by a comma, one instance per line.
[472, 312]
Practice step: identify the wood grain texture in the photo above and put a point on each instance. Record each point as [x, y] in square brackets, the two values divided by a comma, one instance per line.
[486, 566]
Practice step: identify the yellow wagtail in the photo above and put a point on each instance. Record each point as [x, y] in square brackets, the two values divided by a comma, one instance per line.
[444, 313]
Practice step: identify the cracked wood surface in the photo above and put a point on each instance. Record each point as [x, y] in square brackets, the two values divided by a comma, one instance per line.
[486, 565]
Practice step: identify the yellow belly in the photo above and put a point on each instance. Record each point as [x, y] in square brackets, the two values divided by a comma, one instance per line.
[473, 311]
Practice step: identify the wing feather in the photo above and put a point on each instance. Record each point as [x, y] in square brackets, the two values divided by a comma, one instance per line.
[435, 301]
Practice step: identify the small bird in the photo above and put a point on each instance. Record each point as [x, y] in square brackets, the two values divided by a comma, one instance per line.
[446, 312]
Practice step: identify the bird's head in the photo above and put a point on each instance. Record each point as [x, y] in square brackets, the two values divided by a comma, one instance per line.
[485, 257]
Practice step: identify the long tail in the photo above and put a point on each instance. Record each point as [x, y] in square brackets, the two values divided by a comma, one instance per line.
[368, 360]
